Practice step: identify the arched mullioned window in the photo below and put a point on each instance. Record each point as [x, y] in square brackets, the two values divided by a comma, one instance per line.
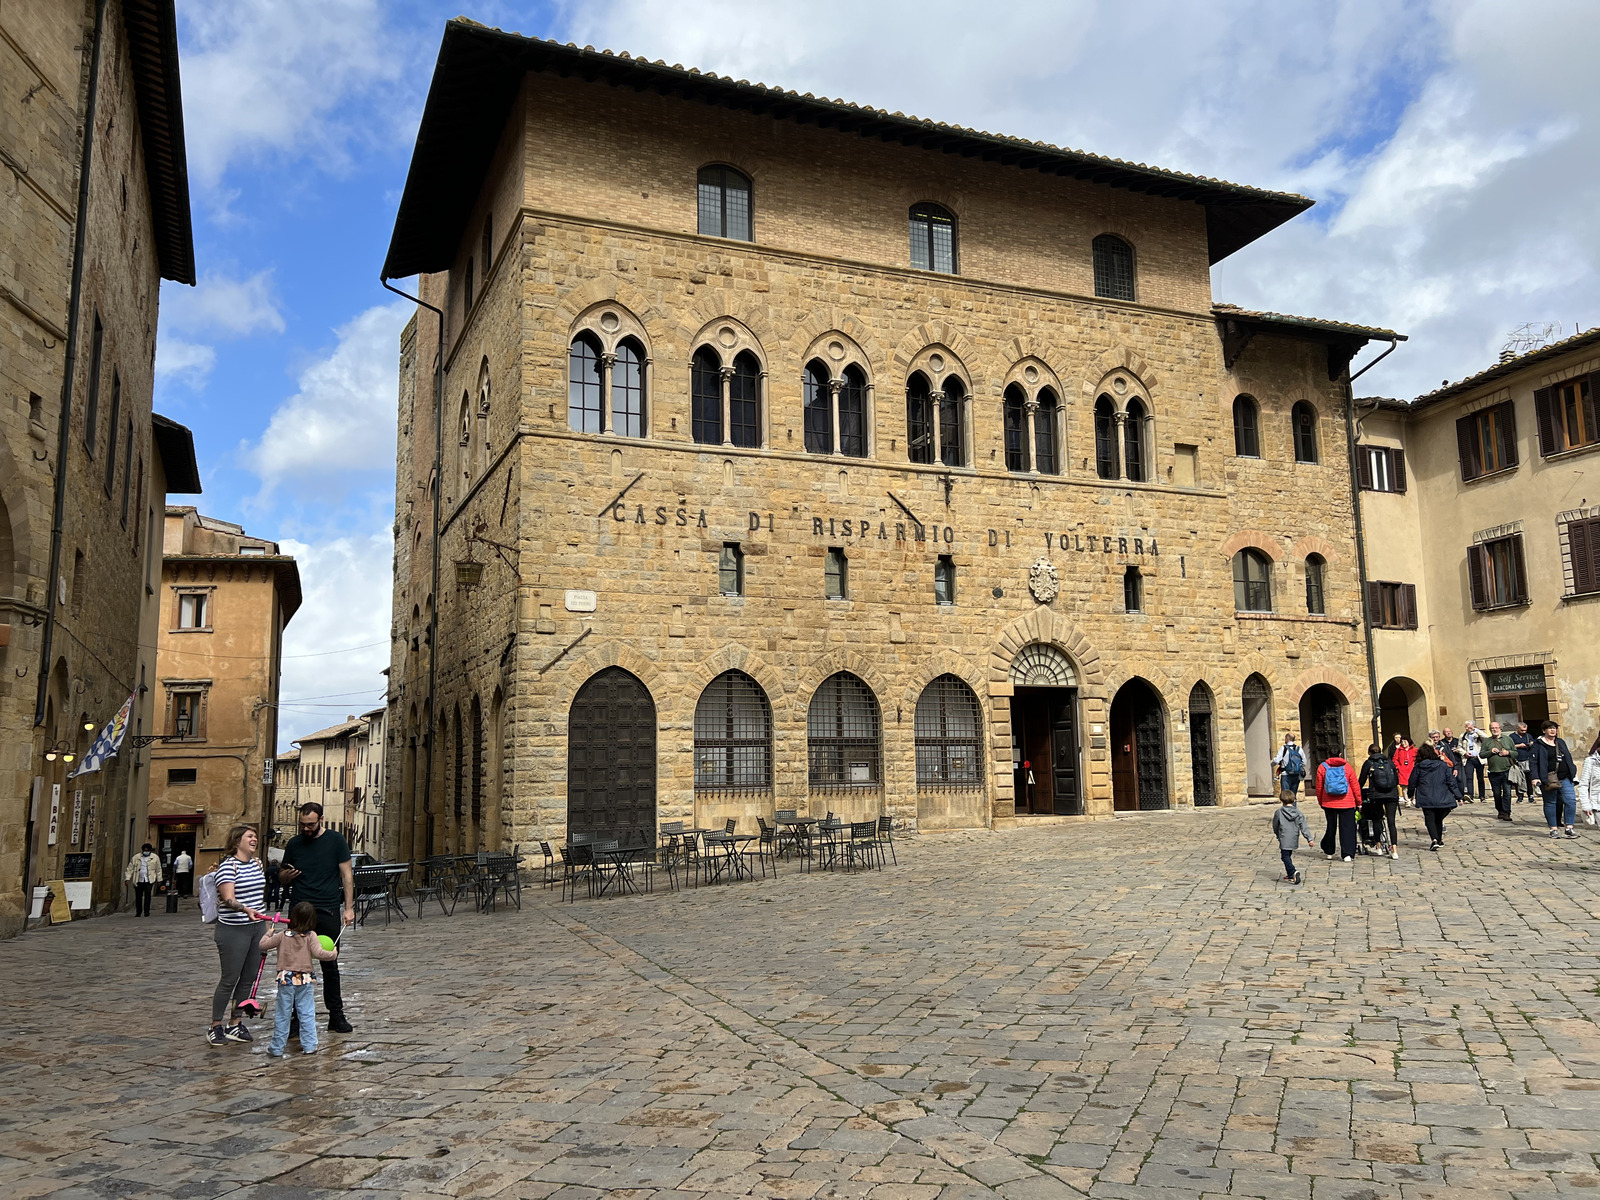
[1304, 421]
[818, 410]
[744, 401]
[1316, 585]
[627, 390]
[919, 418]
[843, 741]
[705, 397]
[1113, 268]
[952, 423]
[853, 413]
[1045, 459]
[1252, 581]
[724, 203]
[933, 239]
[1105, 439]
[1246, 427]
[1014, 411]
[1134, 438]
[583, 384]
[949, 735]
[732, 735]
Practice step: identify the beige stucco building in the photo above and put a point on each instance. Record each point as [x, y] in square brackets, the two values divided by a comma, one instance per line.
[94, 214]
[909, 484]
[1482, 509]
[328, 771]
[225, 600]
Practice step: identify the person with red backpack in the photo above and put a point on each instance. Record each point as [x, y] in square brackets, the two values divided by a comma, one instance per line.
[1339, 794]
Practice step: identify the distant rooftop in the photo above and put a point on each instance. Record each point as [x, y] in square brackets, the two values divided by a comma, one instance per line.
[1508, 366]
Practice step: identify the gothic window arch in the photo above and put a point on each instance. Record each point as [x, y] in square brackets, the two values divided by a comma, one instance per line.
[627, 389]
[919, 418]
[843, 735]
[1303, 419]
[1113, 268]
[1046, 417]
[953, 423]
[1014, 420]
[1246, 427]
[1135, 441]
[724, 203]
[818, 409]
[583, 384]
[1105, 439]
[481, 433]
[933, 238]
[1252, 581]
[744, 401]
[608, 373]
[732, 735]
[705, 397]
[853, 412]
[949, 735]
[1316, 585]
[464, 455]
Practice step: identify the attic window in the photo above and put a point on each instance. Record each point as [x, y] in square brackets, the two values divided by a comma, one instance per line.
[259, 551]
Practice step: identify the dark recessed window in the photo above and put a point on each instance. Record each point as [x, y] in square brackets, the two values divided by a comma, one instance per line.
[467, 289]
[1497, 573]
[1381, 468]
[1252, 581]
[1392, 605]
[705, 397]
[1113, 268]
[1246, 427]
[1316, 580]
[744, 402]
[724, 203]
[1569, 417]
[91, 408]
[818, 410]
[627, 390]
[112, 430]
[919, 419]
[1132, 590]
[1134, 431]
[1304, 420]
[583, 384]
[1487, 441]
[194, 610]
[488, 246]
[853, 413]
[1044, 434]
[836, 575]
[944, 580]
[181, 774]
[730, 570]
[1014, 413]
[1105, 439]
[933, 239]
[952, 424]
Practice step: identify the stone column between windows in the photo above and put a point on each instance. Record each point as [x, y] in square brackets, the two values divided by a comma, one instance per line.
[725, 374]
[837, 434]
[869, 410]
[1119, 442]
[936, 415]
[606, 361]
[1030, 431]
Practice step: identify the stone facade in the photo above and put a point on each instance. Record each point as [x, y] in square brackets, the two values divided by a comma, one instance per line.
[562, 554]
[285, 794]
[135, 232]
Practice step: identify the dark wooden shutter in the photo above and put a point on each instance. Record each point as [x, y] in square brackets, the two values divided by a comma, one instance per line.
[1544, 409]
[1583, 550]
[1519, 583]
[1364, 467]
[1505, 429]
[1466, 433]
[1475, 577]
[1397, 468]
[1375, 605]
[1408, 605]
[1591, 405]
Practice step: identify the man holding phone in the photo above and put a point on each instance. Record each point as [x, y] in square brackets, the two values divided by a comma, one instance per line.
[316, 868]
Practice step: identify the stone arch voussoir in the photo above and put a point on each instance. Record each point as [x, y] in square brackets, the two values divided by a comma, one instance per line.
[1257, 538]
[734, 657]
[831, 663]
[945, 662]
[603, 288]
[1045, 625]
[1308, 679]
[937, 333]
[711, 307]
[825, 321]
[1312, 544]
[1119, 358]
[610, 654]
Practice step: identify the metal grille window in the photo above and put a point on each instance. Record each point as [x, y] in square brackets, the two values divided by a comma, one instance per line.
[732, 735]
[1133, 438]
[730, 570]
[949, 735]
[1113, 268]
[853, 413]
[724, 203]
[1304, 420]
[836, 575]
[627, 391]
[1105, 439]
[744, 402]
[1246, 427]
[933, 239]
[1015, 416]
[1132, 590]
[1044, 434]
[1316, 576]
[583, 385]
[919, 419]
[944, 580]
[842, 734]
[952, 450]
[1252, 581]
[705, 397]
[818, 410]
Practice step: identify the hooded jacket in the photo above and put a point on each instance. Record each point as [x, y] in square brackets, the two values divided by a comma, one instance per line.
[1404, 759]
[1434, 784]
[1289, 824]
[1351, 798]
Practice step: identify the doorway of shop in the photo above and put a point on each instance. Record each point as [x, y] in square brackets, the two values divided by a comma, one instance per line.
[1045, 751]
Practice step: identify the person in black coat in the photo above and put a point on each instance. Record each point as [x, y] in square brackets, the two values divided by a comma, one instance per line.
[1380, 798]
[1551, 769]
[1436, 789]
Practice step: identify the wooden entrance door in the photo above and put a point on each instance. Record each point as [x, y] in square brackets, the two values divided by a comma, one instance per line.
[1321, 725]
[1045, 727]
[1138, 749]
[1202, 757]
[611, 757]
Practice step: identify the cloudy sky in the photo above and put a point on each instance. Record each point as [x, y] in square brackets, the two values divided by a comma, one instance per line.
[1453, 149]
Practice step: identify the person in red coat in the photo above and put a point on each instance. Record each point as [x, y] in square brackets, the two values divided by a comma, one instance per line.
[1405, 757]
[1339, 794]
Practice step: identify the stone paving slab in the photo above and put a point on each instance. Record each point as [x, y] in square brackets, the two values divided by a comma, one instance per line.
[1132, 1009]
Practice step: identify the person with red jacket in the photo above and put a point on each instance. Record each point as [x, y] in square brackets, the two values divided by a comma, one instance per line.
[1405, 757]
[1339, 794]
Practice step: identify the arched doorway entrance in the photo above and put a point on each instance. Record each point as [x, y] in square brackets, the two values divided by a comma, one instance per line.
[1257, 696]
[1402, 709]
[611, 757]
[1138, 749]
[1045, 772]
[1202, 745]
[1321, 724]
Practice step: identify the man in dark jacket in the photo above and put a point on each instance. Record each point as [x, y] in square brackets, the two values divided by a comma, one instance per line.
[1380, 799]
[1552, 770]
[1524, 741]
[1436, 789]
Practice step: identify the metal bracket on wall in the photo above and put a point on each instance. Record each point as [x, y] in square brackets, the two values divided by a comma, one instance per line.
[567, 649]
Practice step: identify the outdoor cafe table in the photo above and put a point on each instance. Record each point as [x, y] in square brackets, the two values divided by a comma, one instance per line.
[826, 841]
[724, 854]
[799, 827]
[619, 879]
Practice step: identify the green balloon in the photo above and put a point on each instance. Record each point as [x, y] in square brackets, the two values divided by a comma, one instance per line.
[325, 940]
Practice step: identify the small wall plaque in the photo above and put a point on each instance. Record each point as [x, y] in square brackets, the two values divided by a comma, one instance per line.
[581, 602]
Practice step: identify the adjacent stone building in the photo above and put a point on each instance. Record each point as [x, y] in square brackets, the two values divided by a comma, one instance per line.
[285, 795]
[94, 214]
[783, 453]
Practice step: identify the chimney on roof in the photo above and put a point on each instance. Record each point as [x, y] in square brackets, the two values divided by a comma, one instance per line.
[1507, 355]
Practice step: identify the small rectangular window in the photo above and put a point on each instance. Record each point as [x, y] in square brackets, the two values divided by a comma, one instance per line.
[188, 718]
[181, 775]
[1567, 415]
[1497, 573]
[730, 570]
[1132, 590]
[111, 431]
[836, 575]
[1392, 605]
[944, 580]
[1381, 468]
[193, 610]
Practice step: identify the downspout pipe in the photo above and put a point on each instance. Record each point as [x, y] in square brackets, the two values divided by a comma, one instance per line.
[1361, 538]
[69, 369]
[433, 606]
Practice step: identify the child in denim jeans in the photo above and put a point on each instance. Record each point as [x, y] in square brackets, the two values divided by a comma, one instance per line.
[298, 952]
[1289, 825]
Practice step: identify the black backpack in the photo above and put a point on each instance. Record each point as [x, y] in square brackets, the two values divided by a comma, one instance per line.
[1384, 776]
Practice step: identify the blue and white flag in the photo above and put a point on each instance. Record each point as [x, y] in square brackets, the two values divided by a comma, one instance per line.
[107, 744]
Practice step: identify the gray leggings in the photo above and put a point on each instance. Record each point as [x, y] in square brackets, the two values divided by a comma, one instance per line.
[239, 947]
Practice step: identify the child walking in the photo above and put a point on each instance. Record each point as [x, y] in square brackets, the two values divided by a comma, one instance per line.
[298, 952]
[1289, 824]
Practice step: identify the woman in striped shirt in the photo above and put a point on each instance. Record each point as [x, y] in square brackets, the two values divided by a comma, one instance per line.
[241, 889]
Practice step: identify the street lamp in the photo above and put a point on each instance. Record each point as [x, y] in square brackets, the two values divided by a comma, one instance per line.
[181, 721]
[59, 750]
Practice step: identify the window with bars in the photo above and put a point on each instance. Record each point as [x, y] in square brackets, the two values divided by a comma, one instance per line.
[744, 402]
[1486, 441]
[1392, 605]
[952, 425]
[818, 410]
[733, 735]
[949, 735]
[1105, 439]
[1497, 573]
[1581, 540]
[1044, 434]
[836, 575]
[933, 239]
[944, 580]
[1316, 585]
[724, 203]
[1134, 429]
[730, 570]
[1246, 427]
[1303, 420]
[1014, 415]
[1567, 415]
[842, 734]
[1381, 468]
[705, 397]
[1113, 268]
[627, 390]
[1132, 590]
[583, 385]
[1252, 581]
[919, 419]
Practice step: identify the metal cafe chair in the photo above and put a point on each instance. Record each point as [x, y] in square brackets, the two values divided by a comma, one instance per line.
[550, 872]
[438, 881]
[862, 846]
[765, 850]
[886, 839]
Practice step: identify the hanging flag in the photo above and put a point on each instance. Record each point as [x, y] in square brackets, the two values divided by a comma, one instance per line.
[107, 744]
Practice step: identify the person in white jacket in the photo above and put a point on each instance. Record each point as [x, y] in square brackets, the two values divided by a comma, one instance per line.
[1589, 785]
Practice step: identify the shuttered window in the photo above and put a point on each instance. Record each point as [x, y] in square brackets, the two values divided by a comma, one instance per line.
[1567, 415]
[1583, 555]
[1381, 468]
[1497, 573]
[1392, 605]
[1487, 441]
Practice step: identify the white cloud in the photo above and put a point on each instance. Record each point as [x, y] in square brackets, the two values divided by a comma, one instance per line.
[178, 361]
[225, 306]
[342, 420]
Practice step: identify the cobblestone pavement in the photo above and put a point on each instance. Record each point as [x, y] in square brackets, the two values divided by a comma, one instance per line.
[1130, 1009]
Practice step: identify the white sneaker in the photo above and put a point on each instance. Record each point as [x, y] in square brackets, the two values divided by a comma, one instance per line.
[1347, 858]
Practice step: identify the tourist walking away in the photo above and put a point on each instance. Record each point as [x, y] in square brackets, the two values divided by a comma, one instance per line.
[1524, 740]
[1589, 785]
[1289, 826]
[1471, 747]
[1380, 800]
[183, 873]
[316, 868]
[1405, 757]
[1290, 765]
[144, 872]
[1339, 794]
[275, 885]
[299, 951]
[1436, 789]
[241, 888]
[1554, 773]
[1500, 749]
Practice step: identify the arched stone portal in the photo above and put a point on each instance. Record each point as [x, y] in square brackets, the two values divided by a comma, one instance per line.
[611, 757]
[1322, 724]
[1257, 696]
[1047, 776]
[1403, 709]
[1138, 749]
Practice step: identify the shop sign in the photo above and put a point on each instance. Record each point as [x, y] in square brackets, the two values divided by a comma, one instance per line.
[77, 818]
[55, 813]
[1523, 679]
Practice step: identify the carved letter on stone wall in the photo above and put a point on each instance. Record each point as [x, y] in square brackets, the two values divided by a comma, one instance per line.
[1043, 581]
